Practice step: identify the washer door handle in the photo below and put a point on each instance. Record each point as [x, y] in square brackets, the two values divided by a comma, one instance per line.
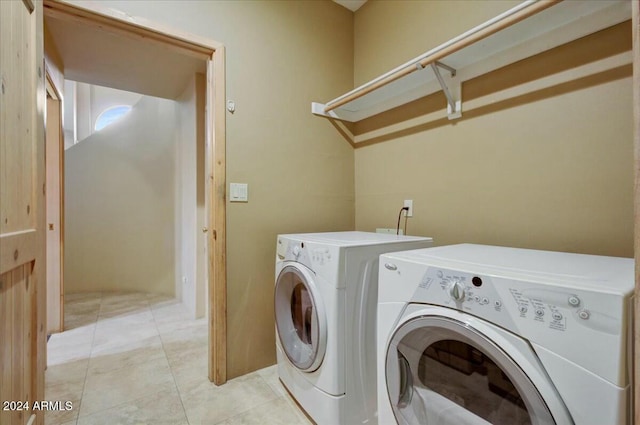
[391, 266]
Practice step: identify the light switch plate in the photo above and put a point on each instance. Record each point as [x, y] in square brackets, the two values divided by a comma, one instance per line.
[238, 192]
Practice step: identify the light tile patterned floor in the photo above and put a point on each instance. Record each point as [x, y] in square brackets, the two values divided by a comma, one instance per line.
[134, 358]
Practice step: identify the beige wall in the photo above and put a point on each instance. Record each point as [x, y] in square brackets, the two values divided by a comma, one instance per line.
[390, 33]
[190, 240]
[552, 170]
[119, 204]
[281, 56]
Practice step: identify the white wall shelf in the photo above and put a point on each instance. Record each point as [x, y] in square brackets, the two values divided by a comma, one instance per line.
[530, 28]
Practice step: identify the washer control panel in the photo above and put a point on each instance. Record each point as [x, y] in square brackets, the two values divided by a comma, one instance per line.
[292, 250]
[320, 255]
[316, 257]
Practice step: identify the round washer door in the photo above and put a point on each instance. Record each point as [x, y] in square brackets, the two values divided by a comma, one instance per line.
[443, 371]
[300, 318]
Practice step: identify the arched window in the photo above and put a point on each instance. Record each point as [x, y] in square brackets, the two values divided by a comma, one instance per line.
[111, 115]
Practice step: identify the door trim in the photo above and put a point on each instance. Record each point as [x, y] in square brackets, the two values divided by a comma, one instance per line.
[635, 344]
[215, 147]
[54, 92]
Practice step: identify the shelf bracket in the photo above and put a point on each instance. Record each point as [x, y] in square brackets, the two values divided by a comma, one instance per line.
[451, 70]
[454, 102]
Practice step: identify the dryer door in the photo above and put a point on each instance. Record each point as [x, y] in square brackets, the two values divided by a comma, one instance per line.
[300, 317]
[442, 371]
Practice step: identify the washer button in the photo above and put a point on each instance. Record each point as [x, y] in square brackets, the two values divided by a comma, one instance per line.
[498, 303]
[539, 312]
[574, 301]
[485, 300]
[523, 309]
[584, 314]
[557, 315]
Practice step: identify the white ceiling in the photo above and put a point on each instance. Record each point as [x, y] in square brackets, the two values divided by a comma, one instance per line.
[352, 5]
[95, 56]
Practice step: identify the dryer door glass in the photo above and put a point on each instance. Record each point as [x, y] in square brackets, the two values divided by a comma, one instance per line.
[441, 371]
[300, 320]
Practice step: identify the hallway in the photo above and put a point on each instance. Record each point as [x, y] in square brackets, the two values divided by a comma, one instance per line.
[136, 358]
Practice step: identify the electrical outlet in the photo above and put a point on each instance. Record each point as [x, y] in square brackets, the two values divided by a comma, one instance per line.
[408, 203]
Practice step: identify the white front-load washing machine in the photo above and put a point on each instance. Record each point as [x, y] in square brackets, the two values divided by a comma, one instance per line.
[472, 334]
[325, 311]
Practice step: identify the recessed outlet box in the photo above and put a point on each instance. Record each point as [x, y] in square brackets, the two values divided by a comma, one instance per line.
[408, 203]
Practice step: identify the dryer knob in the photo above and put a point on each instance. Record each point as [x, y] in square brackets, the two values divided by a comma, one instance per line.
[456, 290]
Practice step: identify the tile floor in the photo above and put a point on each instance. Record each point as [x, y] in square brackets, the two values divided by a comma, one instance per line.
[134, 358]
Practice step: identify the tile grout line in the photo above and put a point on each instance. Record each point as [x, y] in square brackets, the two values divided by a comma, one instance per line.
[86, 372]
[244, 412]
[126, 402]
[287, 398]
[100, 318]
[175, 383]
[277, 397]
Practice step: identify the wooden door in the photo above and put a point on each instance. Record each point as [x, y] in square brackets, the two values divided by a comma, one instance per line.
[53, 165]
[22, 333]
[635, 395]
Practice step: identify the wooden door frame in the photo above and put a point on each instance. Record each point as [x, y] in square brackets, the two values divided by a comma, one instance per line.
[635, 28]
[213, 53]
[54, 91]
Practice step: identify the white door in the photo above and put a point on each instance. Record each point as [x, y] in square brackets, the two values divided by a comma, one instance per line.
[300, 317]
[443, 371]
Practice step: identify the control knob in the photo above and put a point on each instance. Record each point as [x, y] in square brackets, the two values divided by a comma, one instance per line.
[456, 290]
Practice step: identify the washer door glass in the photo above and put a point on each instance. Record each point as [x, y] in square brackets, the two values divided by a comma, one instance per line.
[300, 319]
[441, 371]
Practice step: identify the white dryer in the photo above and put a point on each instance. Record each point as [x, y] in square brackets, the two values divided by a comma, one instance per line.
[325, 311]
[472, 334]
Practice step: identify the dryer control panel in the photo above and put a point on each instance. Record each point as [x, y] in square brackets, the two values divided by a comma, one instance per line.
[489, 297]
[545, 314]
[463, 291]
